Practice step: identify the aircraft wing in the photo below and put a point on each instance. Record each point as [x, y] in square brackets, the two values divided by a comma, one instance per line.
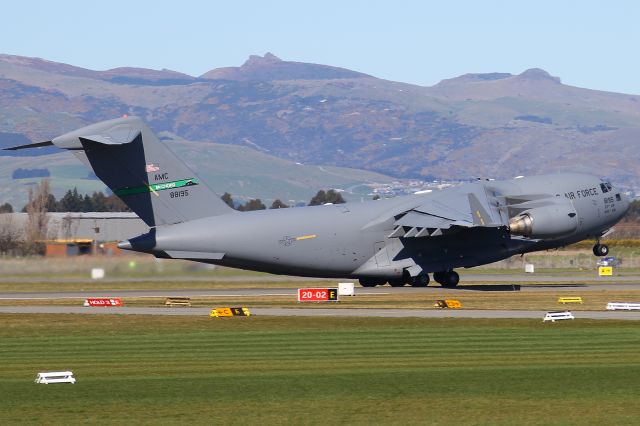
[447, 214]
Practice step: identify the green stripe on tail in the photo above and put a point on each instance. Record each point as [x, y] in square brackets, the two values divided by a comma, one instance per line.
[156, 187]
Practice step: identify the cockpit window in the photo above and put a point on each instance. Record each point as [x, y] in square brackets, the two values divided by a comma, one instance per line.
[606, 187]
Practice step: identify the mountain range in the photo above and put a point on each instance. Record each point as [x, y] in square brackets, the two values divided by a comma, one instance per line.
[493, 125]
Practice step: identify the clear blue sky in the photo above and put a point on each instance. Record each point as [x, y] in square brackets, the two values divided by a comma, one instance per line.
[594, 44]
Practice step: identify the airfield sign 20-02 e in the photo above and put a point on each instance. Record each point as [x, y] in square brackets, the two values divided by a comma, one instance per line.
[318, 295]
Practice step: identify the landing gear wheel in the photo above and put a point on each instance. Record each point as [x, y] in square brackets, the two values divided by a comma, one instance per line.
[420, 281]
[450, 279]
[600, 250]
[397, 282]
[439, 277]
[369, 282]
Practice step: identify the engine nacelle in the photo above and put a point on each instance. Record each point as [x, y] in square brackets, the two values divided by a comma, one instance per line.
[550, 222]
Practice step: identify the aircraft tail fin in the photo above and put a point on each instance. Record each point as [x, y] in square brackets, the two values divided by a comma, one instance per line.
[126, 155]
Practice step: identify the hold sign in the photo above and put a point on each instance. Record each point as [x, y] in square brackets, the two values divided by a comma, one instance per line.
[106, 302]
[317, 295]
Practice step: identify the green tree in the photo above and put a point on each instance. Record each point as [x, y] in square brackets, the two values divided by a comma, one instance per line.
[251, 205]
[278, 204]
[226, 197]
[324, 197]
[52, 203]
[98, 201]
[71, 201]
[113, 203]
[6, 208]
[87, 204]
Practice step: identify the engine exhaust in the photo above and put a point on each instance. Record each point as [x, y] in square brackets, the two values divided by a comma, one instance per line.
[521, 225]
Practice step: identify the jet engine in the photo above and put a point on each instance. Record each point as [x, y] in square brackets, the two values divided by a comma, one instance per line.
[549, 222]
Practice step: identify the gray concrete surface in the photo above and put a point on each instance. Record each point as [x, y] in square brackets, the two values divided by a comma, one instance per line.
[262, 292]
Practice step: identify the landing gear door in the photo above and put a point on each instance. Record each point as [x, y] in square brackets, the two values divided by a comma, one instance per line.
[380, 250]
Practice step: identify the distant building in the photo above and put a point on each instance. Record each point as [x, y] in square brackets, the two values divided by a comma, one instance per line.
[71, 234]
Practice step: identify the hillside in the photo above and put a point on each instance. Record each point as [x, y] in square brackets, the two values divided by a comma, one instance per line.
[241, 171]
[492, 125]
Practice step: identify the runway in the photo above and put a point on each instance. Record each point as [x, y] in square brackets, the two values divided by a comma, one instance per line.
[248, 292]
[321, 312]
[435, 291]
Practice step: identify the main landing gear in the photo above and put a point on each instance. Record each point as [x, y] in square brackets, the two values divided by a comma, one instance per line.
[448, 279]
[600, 249]
[419, 281]
[370, 282]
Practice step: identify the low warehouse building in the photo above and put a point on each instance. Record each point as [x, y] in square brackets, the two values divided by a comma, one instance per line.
[72, 234]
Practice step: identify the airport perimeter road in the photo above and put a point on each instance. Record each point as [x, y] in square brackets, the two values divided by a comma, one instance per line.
[436, 290]
[321, 312]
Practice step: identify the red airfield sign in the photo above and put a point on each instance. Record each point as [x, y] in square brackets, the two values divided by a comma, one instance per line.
[317, 295]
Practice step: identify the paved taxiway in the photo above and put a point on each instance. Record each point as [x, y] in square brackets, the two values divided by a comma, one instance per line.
[319, 312]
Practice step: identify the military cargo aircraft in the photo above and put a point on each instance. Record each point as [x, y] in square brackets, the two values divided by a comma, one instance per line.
[399, 240]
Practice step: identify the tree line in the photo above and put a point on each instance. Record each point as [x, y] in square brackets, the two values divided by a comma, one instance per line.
[322, 197]
[73, 201]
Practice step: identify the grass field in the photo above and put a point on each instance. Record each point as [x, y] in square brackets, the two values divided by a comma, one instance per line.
[175, 370]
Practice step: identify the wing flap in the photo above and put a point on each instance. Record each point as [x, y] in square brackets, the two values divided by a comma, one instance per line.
[422, 220]
[439, 217]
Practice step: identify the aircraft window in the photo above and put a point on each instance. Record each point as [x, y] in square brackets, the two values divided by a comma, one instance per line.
[603, 187]
[618, 198]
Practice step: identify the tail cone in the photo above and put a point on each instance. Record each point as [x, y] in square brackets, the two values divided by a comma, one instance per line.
[125, 245]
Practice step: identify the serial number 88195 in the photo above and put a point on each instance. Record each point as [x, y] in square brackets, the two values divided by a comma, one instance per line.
[181, 193]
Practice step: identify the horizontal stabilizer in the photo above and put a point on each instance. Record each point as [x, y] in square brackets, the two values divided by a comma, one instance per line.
[126, 155]
[29, 145]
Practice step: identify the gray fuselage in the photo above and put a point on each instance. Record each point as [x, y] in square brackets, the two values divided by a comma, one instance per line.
[353, 239]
